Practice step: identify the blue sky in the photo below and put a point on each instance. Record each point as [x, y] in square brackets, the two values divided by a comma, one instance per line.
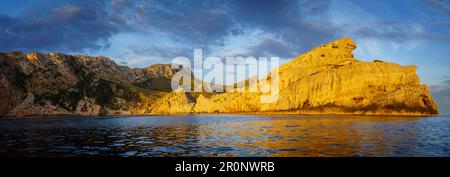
[139, 33]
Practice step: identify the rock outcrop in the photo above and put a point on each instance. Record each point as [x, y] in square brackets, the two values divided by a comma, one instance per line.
[327, 79]
[176, 102]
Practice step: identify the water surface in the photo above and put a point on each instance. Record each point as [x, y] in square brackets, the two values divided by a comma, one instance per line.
[227, 135]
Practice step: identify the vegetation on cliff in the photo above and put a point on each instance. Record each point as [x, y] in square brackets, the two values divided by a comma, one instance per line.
[58, 84]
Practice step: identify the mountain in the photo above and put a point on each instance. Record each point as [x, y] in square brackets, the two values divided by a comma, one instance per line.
[56, 84]
[327, 79]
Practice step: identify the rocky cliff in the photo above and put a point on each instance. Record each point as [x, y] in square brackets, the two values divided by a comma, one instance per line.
[56, 84]
[327, 79]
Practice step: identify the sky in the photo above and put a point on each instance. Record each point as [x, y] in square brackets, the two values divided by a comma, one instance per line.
[139, 33]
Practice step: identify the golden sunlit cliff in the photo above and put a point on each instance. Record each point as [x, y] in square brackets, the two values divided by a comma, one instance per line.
[325, 80]
[328, 79]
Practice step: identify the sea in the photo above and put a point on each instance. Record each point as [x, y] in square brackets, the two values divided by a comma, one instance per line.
[225, 135]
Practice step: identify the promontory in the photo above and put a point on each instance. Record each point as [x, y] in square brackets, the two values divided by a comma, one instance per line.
[326, 80]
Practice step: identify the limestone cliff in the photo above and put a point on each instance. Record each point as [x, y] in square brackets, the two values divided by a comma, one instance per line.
[176, 102]
[327, 79]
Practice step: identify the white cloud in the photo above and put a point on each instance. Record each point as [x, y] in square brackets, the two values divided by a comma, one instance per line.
[142, 61]
[369, 49]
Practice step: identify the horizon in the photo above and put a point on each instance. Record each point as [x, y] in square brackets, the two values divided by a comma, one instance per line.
[139, 33]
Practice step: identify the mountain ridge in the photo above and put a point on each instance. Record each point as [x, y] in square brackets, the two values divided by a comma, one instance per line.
[327, 79]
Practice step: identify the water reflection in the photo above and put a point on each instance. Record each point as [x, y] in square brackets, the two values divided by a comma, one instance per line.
[227, 135]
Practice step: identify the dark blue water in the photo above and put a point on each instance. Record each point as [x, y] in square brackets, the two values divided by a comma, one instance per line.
[227, 135]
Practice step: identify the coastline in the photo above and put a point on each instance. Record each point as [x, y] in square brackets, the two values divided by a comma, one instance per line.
[224, 113]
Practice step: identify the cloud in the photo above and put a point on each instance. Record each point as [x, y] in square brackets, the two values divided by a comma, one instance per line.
[270, 46]
[294, 25]
[439, 4]
[210, 25]
[75, 27]
[287, 28]
[198, 22]
[395, 32]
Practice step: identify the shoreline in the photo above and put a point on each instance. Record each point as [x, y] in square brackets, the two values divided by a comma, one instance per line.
[290, 113]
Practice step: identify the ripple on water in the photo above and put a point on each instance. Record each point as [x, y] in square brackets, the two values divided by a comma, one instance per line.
[128, 154]
[118, 145]
[144, 142]
[167, 149]
[229, 136]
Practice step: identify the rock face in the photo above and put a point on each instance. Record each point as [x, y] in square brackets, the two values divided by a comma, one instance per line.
[327, 79]
[56, 84]
[176, 102]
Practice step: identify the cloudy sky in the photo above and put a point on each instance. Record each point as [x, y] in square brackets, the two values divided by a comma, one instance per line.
[139, 33]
